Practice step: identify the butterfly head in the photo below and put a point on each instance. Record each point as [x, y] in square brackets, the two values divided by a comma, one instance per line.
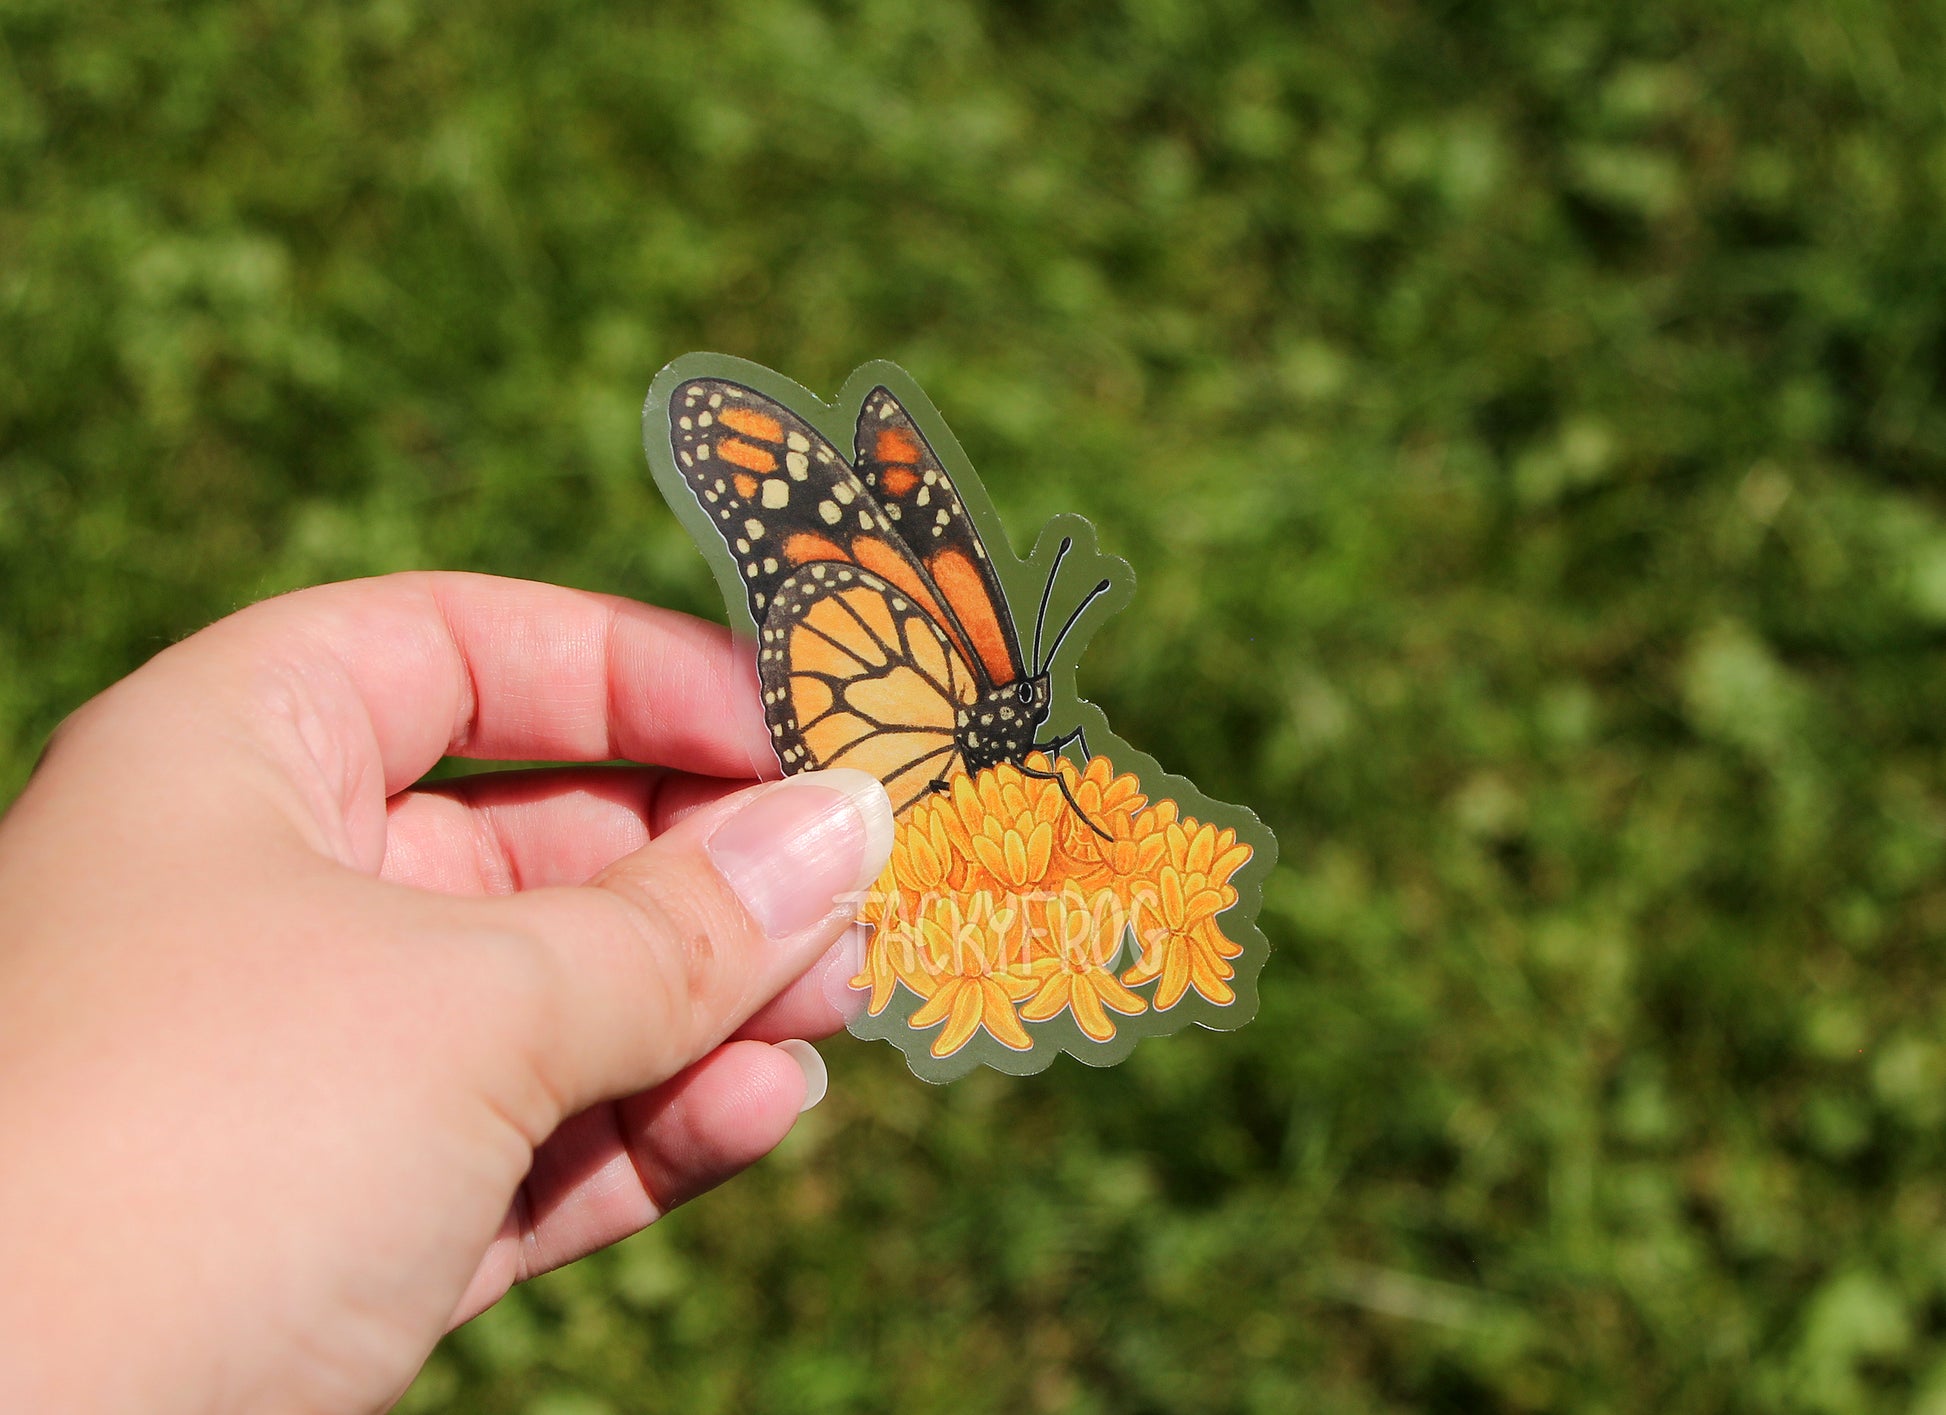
[1001, 724]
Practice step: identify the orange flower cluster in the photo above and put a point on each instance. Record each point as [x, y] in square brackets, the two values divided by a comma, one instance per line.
[1001, 905]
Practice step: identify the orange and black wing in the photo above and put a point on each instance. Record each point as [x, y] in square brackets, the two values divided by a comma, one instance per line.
[855, 674]
[782, 497]
[917, 496]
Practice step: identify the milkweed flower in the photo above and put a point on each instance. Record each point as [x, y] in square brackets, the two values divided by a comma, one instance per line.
[1083, 932]
[1181, 944]
[970, 981]
[1008, 820]
[1011, 897]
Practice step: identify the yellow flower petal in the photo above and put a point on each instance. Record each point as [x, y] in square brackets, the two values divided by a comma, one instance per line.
[1209, 982]
[1040, 851]
[1088, 1015]
[964, 1019]
[1170, 897]
[1014, 851]
[999, 1016]
[876, 974]
[1202, 850]
[1202, 904]
[1114, 995]
[991, 853]
[937, 1008]
[1049, 1001]
[1175, 976]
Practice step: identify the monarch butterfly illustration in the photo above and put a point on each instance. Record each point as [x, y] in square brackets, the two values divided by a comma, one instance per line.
[885, 641]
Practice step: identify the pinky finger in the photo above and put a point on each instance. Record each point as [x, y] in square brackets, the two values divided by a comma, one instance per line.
[614, 1169]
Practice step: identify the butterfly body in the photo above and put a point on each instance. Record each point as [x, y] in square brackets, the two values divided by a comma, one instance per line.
[885, 640]
[1002, 724]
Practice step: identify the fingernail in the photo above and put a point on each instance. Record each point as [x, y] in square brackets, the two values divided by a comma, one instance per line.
[817, 1080]
[846, 962]
[796, 846]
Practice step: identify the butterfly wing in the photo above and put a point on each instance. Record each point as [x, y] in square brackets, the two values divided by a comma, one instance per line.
[855, 674]
[911, 485]
[782, 497]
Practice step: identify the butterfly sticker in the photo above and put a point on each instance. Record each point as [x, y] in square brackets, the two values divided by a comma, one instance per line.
[1050, 889]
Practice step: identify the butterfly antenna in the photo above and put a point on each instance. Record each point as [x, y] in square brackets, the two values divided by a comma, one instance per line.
[1047, 593]
[1094, 594]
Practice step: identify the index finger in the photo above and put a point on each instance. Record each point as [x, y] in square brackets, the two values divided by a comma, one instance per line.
[418, 666]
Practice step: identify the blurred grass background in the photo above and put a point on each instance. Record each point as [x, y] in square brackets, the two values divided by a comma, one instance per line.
[1528, 422]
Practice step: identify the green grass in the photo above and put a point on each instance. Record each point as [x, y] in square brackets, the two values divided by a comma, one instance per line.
[1528, 423]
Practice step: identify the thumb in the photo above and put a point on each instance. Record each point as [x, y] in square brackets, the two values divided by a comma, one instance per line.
[664, 955]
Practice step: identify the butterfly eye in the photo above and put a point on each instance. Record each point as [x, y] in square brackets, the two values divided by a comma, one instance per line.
[1024, 694]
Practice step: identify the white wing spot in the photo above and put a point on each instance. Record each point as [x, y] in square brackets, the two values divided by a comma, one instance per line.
[829, 510]
[797, 442]
[843, 492]
[776, 493]
[754, 527]
[704, 419]
[796, 463]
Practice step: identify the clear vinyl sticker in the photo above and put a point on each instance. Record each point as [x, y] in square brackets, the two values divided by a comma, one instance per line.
[1051, 889]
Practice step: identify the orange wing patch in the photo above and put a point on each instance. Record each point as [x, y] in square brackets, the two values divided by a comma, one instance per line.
[904, 696]
[745, 454]
[894, 568]
[965, 589]
[802, 548]
[895, 444]
[901, 452]
[831, 621]
[752, 423]
[810, 696]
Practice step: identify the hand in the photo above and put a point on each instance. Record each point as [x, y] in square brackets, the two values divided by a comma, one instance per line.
[302, 1064]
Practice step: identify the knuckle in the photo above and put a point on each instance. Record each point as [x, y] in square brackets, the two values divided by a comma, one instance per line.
[679, 941]
[62, 739]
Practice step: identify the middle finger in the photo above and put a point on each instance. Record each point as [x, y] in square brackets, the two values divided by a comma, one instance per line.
[505, 831]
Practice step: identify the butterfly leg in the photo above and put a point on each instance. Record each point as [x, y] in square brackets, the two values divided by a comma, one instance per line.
[1066, 795]
[1078, 737]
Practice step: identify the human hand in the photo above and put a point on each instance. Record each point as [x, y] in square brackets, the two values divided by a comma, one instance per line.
[302, 1064]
